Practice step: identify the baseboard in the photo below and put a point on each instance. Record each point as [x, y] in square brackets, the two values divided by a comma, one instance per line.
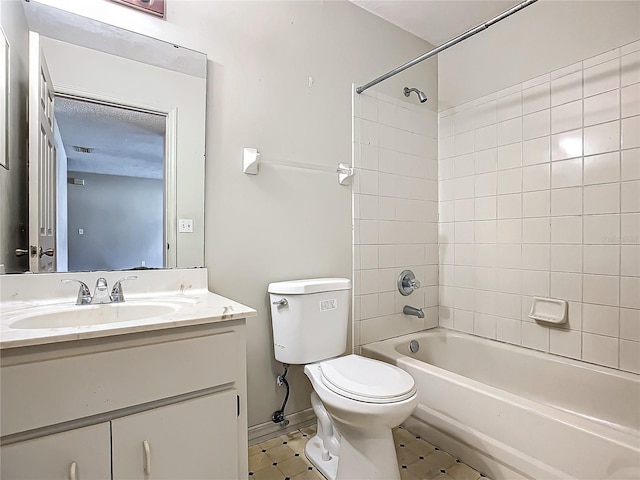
[266, 431]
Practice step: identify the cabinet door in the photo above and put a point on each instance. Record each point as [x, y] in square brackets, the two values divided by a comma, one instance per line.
[80, 454]
[194, 439]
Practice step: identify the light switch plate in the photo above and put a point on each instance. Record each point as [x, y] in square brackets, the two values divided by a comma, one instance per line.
[185, 225]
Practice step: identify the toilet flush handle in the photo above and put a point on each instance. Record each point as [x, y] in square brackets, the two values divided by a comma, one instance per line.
[282, 302]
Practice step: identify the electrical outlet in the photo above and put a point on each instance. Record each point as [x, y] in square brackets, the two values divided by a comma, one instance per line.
[185, 225]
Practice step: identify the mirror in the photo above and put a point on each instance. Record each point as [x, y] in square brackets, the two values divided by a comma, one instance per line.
[92, 63]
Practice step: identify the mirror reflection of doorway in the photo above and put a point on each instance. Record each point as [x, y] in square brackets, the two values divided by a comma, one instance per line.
[111, 179]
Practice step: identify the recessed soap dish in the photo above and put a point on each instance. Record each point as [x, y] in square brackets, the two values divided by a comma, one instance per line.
[549, 310]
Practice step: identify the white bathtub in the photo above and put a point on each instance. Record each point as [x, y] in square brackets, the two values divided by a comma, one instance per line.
[511, 412]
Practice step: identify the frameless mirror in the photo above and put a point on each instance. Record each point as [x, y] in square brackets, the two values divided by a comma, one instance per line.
[124, 164]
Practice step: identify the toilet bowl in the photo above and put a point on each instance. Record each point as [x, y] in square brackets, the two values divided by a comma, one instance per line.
[363, 400]
[357, 400]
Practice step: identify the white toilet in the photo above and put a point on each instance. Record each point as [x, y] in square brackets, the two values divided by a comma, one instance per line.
[357, 400]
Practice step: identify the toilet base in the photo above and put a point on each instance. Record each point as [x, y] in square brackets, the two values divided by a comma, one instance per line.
[313, 451]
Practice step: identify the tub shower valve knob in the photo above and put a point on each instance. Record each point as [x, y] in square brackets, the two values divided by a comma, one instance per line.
[407, 283]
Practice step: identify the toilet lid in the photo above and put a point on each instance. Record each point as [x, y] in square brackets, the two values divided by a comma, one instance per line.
[367, 380]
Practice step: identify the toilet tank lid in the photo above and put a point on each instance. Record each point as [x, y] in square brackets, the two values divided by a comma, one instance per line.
[309, 285]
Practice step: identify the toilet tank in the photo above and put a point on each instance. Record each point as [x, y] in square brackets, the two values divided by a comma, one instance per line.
[310, 319]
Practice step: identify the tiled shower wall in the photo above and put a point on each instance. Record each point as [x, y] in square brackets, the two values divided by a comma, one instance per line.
[540, 196]
[395, 215]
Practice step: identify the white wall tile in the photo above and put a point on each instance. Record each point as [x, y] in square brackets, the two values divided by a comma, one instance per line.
[536, 151]
[536, 257]
[566, 230]
[566, 89]
[630, 324]
[601, 289]
[510, 131]
[566, 173]
[630, 100]
[603, 168]
[630, 168]
[536, 204]
[631, 132]
[566, 343]
[508, 330]
[536, 177]
[599, 349]
[602, 78]
[509, 106]
[485, 208]
[630, 228]
[509, 206]
[630, 356]
[536, 230]
[602, 108]
[630, 68]
[602, 138]
[630, 196]
[601, 229]
[566, 117]
[566, 201]
[602, 198]
[602, 259]
[535, 336]
[536, 98]
[510, 181]
[486, 184]
[601, 319]
[566, 145]
[536, 124]
[486, 161]
[567, 286]
[630, 292]
[486, 137]
[566, 258]
[630, 260]
[509, 156]
[510, 231]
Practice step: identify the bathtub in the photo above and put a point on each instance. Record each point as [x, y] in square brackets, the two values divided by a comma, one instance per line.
[512, 413]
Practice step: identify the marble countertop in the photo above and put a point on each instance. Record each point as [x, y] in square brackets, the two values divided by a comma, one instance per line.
[194, 305]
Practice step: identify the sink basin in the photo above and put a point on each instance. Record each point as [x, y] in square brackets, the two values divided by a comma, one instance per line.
[64, 316]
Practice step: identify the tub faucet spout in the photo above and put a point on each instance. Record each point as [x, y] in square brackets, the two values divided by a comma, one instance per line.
[409, 310]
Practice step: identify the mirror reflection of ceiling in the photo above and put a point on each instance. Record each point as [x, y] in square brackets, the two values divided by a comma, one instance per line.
[119, 141]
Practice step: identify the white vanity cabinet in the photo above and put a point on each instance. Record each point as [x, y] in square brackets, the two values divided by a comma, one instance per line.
[79, 454]
[163, 404]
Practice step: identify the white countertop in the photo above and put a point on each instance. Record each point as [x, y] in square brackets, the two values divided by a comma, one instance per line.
[196, 306]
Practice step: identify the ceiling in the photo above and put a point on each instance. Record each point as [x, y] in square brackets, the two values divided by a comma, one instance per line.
[436, 21]
[120, 141]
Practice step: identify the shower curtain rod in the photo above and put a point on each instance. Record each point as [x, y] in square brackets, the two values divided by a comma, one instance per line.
[444, 46]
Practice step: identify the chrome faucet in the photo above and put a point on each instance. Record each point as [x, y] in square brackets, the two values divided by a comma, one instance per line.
[409, 310]
[101, 292]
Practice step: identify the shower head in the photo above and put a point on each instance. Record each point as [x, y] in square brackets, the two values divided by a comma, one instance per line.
[421, 96]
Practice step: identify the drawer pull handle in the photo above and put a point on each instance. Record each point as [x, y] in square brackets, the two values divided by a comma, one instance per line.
[147, 457]
[72, 471]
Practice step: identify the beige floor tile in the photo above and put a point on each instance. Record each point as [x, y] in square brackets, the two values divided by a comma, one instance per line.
[293, 466]
[259, 461]
[420, 447]
[271, 473]
[274, 442]
[308, 475]
[406, 474]
[297, 444]
[423, 470]
[310, 430]
[254, 449]
[460, 471]
[406, 456]
[280, 453]
[401, 435]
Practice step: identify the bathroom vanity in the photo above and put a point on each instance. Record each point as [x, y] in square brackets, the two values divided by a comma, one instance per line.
[160, 397]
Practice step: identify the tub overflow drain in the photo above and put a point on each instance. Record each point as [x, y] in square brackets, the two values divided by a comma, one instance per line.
[414, 346]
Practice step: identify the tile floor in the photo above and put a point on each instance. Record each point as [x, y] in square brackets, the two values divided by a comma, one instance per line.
[282, 458]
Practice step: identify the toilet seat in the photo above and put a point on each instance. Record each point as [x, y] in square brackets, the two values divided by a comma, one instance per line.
[366, 380]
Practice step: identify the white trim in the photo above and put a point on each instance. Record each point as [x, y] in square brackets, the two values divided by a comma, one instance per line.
[266, 431]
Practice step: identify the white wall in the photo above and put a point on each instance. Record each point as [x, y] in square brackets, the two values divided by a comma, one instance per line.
[543, 37]
[13, 182]
[395, 198]
[122, 221]
[540, 196]
[284, 223]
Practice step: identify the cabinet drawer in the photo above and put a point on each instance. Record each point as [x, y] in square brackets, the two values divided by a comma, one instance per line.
[38, 394]
[51, 457]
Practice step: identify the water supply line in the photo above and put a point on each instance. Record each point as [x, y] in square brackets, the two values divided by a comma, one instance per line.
[278, 415]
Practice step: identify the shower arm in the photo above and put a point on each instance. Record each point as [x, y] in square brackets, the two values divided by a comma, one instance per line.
[444, 46]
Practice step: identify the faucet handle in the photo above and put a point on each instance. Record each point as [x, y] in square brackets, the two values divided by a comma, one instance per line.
[117, 295]
[84, 294]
